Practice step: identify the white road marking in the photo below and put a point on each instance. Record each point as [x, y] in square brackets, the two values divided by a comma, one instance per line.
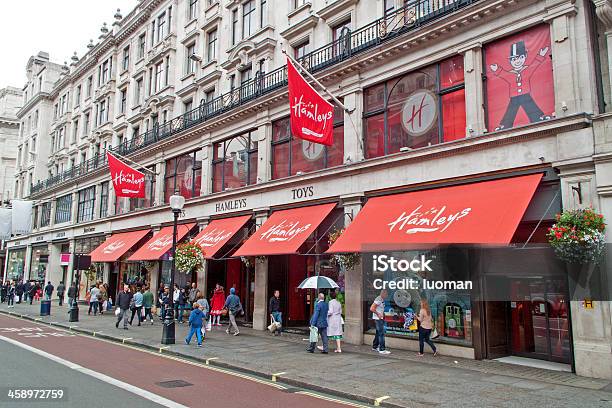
[99, 376]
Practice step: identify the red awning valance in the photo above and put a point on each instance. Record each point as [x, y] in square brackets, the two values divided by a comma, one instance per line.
[285, 231]
[218, 232]
[486, 212]
[161, 243]
[117, 245]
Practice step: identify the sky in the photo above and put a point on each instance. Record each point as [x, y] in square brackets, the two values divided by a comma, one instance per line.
[59, 27]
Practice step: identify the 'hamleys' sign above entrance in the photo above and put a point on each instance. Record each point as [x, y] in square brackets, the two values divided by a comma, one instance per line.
[218, 232]
[486, 212]
[161, 243]
[117, 245]
[113, 246]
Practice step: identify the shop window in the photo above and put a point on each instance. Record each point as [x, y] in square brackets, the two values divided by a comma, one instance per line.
[104, 199]
[86, 204]
[124, 205]
[183, 174]
[519, 79]
[421, 108]
[63, 208]
[39, 262]
[291, 155]
[234, 162]
[45, 214]
[15, 264]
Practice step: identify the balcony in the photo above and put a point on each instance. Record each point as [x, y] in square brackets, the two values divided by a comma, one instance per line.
[351, 43]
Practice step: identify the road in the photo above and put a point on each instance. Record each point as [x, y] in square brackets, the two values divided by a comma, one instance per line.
[38, 356]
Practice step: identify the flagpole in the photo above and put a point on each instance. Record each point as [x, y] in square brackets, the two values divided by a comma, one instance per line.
[309, 75]
[133, 162]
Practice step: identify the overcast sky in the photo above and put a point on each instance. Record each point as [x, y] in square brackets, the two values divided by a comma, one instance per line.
[58, 27]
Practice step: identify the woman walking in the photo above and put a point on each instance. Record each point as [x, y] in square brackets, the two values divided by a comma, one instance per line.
[217, 304]
[425, 327]
[334, 322]
[137, 309]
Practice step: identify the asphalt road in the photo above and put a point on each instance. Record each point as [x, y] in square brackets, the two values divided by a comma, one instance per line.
[101, 373]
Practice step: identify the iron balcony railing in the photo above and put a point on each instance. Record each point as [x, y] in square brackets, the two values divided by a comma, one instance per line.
[348, 44]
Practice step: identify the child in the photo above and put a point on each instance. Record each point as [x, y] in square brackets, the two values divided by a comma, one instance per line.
[196, 318]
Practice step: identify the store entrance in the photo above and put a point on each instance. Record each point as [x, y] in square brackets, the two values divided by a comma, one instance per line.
[285, 273]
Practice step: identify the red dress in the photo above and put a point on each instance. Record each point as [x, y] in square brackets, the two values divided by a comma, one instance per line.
[217, 302]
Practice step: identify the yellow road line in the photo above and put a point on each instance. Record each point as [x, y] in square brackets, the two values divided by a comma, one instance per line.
[274, 376]
[378, 400]
[208, 360]
[126, 338]
[163, 348]
[332, 399]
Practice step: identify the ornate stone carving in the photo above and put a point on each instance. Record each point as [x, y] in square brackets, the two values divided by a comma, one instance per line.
[603, 9]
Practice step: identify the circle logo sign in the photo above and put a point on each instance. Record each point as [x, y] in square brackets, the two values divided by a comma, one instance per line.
[402, 298]
[420, 112]
[312, 151]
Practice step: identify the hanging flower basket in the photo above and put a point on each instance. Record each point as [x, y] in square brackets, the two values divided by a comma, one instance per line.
[189, 257]
[344, 261]
[578, 236]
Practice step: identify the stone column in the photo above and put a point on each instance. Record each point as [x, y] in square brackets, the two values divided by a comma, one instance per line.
[263, 136]
[603, 9]
[260, 313]
[353, 127]
[207, 157]
[353, 281]
[474, 99]
[54, 269]
[74, 207]
[27, 262]
[203, 274]
[98, 200]
[52, 212]
[70, 274]
[160, 169]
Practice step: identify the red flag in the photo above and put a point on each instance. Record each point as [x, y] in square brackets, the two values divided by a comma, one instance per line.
[312, 117]
[127, 181]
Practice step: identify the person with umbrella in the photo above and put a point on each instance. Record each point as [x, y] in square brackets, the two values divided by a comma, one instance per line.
[319, 321]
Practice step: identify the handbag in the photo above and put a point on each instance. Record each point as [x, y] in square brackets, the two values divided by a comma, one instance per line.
[274, 325]
[314, 334]
[117, 311]
[224, 311]
[434, 334]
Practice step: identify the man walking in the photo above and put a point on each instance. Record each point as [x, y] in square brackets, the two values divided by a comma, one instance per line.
[147, 303]
[137, 309]
[234, 307]
[33, 290]
[378, 315]
[319, 320]
[61, 288]
[93, 299]
[72, 294]
[11, 294]
[123, 303]
[49, 291]
[27, 286]
[193, 293]
[275, 312]
[19, 291]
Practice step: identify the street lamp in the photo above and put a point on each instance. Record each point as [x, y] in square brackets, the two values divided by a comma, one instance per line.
[177, 202]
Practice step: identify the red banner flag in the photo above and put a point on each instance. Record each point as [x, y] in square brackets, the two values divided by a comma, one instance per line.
[127, 181]
[312, 117]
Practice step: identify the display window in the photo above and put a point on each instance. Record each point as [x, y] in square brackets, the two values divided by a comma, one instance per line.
[184, 174]
[234, 162]
[39, 263]
[15, 264]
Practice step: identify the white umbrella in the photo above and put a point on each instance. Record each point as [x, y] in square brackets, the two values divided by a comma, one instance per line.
[318, 282]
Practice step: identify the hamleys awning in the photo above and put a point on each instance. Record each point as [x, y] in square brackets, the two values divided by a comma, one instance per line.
[160, 243]
[285, 231]
[486, 212]
[218, 232]
[117, 245]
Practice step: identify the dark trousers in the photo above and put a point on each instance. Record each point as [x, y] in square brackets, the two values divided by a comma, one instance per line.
[136, 311]
[424, 338]
[324, 340]
[11, 300]
[534, 113]
[148, 313]
[178, 311]
[93, 304]
[61, 299]
[379, 338]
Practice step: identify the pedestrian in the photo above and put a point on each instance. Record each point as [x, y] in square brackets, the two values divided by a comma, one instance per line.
[102, 297]
[180, 302]
[93, 299]
[61, 288]
[19, 290]
[204, 307]
[147, 304]
[196, 318]
[193, 293]
[425, 327]
[378, 315]
[124, 299]
[72, 294]
[275, 312]
[217, 303]
[3, 291]
[234, 307]
[319, 320]
[34, 292]
[27, 286]
[49, 290]
[137, 308]
[164, 301]
[335, 322]
[11, 294]
[160, 294]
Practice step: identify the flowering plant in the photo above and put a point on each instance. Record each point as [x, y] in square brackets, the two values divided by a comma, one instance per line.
[578, 236]
[189, 256]
[344, 261]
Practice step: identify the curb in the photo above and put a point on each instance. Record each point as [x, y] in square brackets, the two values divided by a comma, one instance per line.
[214, 363]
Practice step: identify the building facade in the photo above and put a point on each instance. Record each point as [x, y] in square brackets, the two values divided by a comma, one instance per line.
[10, 102]
[440, 95]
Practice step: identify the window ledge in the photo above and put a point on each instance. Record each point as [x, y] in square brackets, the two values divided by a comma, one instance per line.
[186, 76]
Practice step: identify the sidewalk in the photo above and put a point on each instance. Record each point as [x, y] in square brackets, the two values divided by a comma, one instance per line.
[357, 373]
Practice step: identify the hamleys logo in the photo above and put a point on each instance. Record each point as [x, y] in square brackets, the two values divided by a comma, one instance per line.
[432, 220]
[284, 231]
[212, 238]
[160, 243]
[113, 246]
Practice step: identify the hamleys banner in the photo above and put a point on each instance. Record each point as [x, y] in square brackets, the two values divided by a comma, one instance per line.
[117, 245]
[312, 117]
[161, 243]
[486, 212]
[217, 233]
[127, 181]
[285, 231]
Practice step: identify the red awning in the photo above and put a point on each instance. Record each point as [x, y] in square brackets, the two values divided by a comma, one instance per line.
[285, 231]
[161, 243]
[117, 245]
[218, 232]
[486, 212]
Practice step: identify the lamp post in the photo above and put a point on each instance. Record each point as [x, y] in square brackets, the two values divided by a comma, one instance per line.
[177, 202]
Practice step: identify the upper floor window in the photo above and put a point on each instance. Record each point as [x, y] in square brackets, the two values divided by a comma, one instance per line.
[124, 204]
[142, 40]
[161, 26]
[301, 49]
[419, 109]
[291, 155]
[104, 199]
[248, 18]
[234, 162]
[263, 12]
[190, 63]
[193, 9]
[126, 58]
[77, 96]
[123, 100]
[211, 48]
[104, 71]
[40, 83]
[246, 74]
[159, 77]
[88, 87]
[102, 112]
[63, 208]
[75, 131]
[45, 214]
[234, 26]
[139, 91]
[86, 204]
[183, 174]
[86, 124]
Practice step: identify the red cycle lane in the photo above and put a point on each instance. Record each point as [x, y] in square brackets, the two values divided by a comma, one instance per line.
[144, 369]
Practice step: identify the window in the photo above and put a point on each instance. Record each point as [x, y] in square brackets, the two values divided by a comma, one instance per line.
[45, 214]
[75, 131]
[209, 95]
[77, 96]
[159, 77]
[211, 49]
[292, 155]
[142, 40]
[389, 6]
[63, 208]
[234, 163]
[183, 174]
[55, 114]
[419, 109]
[248, 18]
[36, 117]
[193, 9]
[299, 3]
[83, 157]
[187, 106]
[138, 91]
[33, 144]
[126, 58]
[105, 76]
[341, 38]
[104, 199]
[245, 75]
[60, 138]
[102, 113]
[86, 204]
[167, 72]
[161, 26]
[135, 132]
[301, 49]
[86, 124]
[234, 26]
[263, 13]
[190, 63]
[149, 200]
[123, 101]
[88, 87]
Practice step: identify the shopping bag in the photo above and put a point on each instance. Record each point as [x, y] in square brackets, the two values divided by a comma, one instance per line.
[314, 334]
[104, 305]
[209, 324]
[117, 311]
[434, 334]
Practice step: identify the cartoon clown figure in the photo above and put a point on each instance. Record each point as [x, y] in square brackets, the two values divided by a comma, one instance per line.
[518, 80]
